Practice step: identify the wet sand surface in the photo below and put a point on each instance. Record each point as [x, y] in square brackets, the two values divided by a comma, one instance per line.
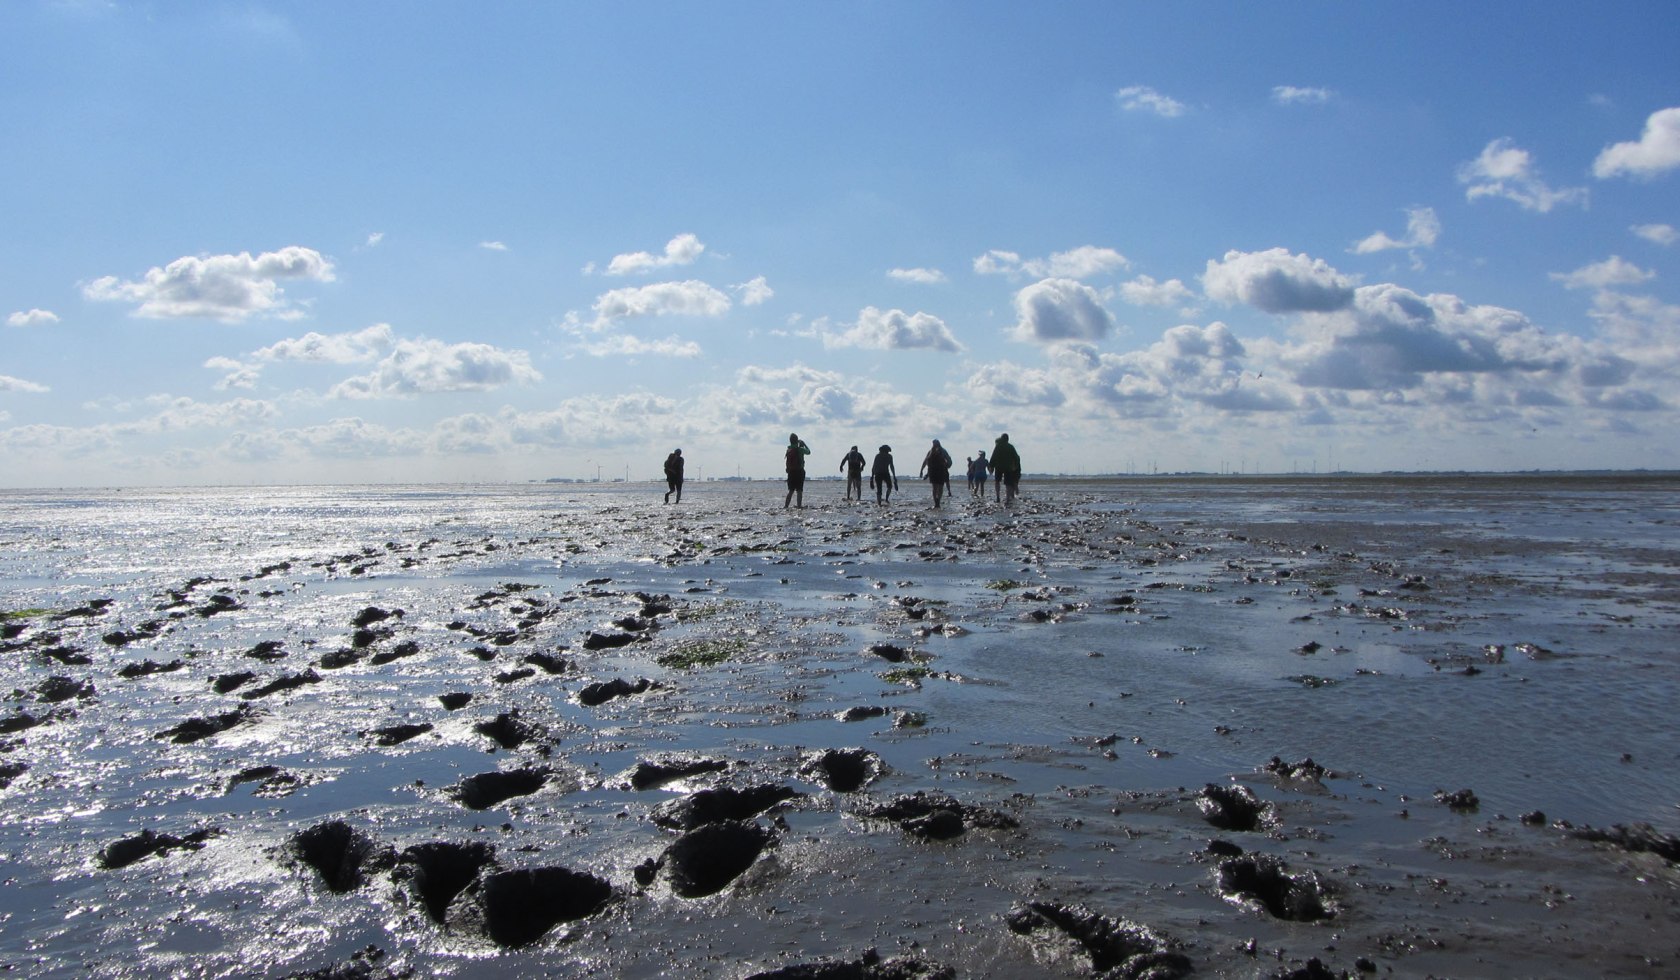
[1125, 728]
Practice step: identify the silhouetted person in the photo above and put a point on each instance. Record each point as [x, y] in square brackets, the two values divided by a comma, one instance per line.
[977, 475]
[883, 476]
[674, 475]
[1006, 463]
[852, 465]
[796, 453]
[937, 466]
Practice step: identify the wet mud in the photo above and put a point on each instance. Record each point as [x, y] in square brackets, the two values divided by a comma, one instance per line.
[482, 732]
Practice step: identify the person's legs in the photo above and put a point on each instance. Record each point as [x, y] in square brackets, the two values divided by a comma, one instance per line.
[679, 491]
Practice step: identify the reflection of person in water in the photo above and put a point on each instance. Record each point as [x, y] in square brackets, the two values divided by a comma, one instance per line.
[937, 466]
[796, 453]
[977, 475]
[1006, 463]
[883, 476]
[674, 475]
[852, 466]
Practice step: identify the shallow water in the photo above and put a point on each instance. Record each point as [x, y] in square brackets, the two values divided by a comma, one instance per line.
[1085, 662]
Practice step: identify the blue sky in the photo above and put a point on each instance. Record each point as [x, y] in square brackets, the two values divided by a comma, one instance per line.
[304, 242]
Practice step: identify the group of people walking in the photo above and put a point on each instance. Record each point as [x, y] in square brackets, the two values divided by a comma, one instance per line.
[1004, 465]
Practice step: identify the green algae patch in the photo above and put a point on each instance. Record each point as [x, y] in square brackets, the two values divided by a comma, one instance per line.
[908, 676]
[701, 653]
[24, 614]
[1005, 584]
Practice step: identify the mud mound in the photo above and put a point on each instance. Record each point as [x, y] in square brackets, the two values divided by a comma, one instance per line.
[397, 734]
[869, 966]
[517, 908]
[649, 774]
[715, 805]
[1116, 948]
[704, 861]
[434, 873]
[935, 817]
[844, 770]
[1639, 838]
[122, 853]
[1234, 808]
[488, 789]
[618, 687]
[195, 729]
[341, 854]
[1263, 882]
[507, 730]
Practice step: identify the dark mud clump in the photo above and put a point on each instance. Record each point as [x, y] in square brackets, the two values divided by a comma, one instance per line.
[342, 855]
[122, 853]
[196, 729]
[607, 641]
[507, 730]
[1116, 948]
[397, 734]
[1463, 801]
[228, 683]
[648, 775]
[1234, 808]
[548, 662]
[10, 771]
[1261, 881]
[455, 700]
[286, 683]
[434, 873]
[146, 668]
[716, 805]
[890, 652]
[364, 964]
[517, 908]
[869, 966]
[598, 694]
[488, 789]
[934, 817]
[57, 688]
[844, 770]
[373, 614]
[705, 860]
[1304, 771]
[1639, 838]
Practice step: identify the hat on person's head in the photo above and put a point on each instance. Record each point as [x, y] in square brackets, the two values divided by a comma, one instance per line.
[677, 451]
[886, 448]
[854, 449]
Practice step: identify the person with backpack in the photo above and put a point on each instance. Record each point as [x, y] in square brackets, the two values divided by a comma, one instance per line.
[883, 476]
[1006, 464]
[852, 466]
[674, 475]
[936, 465]
[795, 457]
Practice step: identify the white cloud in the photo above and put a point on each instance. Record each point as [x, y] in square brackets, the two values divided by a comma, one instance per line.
[681, 250]
[924, 277]
[339, 348]
[1054, 310]
[1277, 282]
[374, 239]
[688, 298]
[31, 318]
[1145, 291]
[1657, 234]
[237, 374]
[625, 345]
[895, 330]
[1011, 384]
[1079, 263]
[754, 291]
[1507, 171]
[1613, 271]
[1293, 95]
[1142, 98]
[493, 246]
[418, 367]
[8, 383]
[353, 438]
[223, 287]
[1656, 151]
[1422, 229]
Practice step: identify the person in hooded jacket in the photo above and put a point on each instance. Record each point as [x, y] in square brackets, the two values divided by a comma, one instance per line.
[1006, 464]
[883, 476]
[936, 465]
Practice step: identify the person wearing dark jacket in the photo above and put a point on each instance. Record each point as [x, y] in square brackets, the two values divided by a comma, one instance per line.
[795, 456]
[852, 466]
[1006, 464]
[674, 475]
[936, 465]
[883, 476]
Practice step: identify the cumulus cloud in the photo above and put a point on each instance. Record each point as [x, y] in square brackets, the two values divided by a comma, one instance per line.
[1145, 291]
[1657, 234]
[1277, 282]
[1055, 310]
[222, 287]
[1505, 170]
[354, 438]
[1142, 98]
[620, 420]
[340, 348]
[688, 298]
[923, 277]
[235, 373]
[1422, 229]
[1079, 263]
[1655, 152]
[681, 250]
[9, 383]
[754, 292]
[1613, 271]
[493, 246]
[800, 396]
[625, 345]
[1013, 385]
[420, 367]
[373, 239]
[895, 330]
[31, 318]
[1294, 95]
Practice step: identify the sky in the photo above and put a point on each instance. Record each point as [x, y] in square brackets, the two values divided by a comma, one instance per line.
[317, 242]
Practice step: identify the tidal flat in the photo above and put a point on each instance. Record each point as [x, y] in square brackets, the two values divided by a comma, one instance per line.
[1138, 727]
